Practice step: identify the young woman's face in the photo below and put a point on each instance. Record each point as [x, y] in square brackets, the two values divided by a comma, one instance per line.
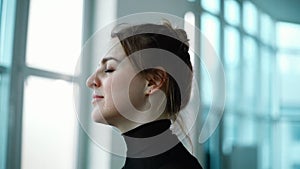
[108, 82]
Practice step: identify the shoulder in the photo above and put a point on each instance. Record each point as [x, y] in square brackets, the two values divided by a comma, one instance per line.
[180, 158]
[176, 165]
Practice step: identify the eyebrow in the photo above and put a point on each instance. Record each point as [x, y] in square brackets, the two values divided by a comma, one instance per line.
[104, 60]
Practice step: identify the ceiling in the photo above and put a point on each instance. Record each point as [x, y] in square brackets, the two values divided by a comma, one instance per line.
[282, 10]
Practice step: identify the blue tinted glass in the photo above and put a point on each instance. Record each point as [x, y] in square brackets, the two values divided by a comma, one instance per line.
[7, 19]
[6, 31]
[4, 98]
[266, 69]
[231, 47]
[210, 27]
[211, 5]
[250, 18]
[249, 72]
[229, 132]
[289, 72]
[231, 58]
[189, 27]
[206, 86]
[246, 131]
[288, 35]
[232, 12]
[267, 29]
[289, 145]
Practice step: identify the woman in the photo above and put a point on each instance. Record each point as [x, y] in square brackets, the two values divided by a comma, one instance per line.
[139, 87]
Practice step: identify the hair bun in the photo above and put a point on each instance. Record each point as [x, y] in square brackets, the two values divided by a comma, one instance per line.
[182, 35]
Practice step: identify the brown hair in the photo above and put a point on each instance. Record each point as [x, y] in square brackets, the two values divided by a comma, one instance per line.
[160, 36]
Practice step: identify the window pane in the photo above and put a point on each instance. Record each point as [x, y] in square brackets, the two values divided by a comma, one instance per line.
[229, 132]
[54, 34]
[232, 53]
[289, 69]
[246, 130]
[266, 69]
[290, 145]
[250, 18]
[231, 47]
[48, 139]
[288, 35]
[206, 87]
[189, 24]
[232, 12]
[211, 5]
[250, 62]
[267, 29]
[4, 97]
[7, 19]
[210, 27]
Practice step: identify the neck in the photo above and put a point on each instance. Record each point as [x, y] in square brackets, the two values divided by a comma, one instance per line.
[125, 125]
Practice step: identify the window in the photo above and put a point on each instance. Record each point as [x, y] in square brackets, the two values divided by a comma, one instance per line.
[209, 45]
[250, 17]
[54, 37]
[232, 12]
[289, 144]
[288, 36]
[232, 62]
[49, 127]
[49, 131]
[189, 18]
[250, 61]
[289, 66]
[7, 14]
[210, 26]
[211, 5]
[267, 29]
[244, 40]
[267, 64]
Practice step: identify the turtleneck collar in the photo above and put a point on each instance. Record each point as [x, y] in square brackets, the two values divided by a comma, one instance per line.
[149, 129]
[150, 139]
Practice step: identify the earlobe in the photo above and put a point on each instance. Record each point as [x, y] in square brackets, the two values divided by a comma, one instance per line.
[155, 80]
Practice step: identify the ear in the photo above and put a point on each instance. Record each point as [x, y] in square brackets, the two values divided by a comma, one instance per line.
[156, 78]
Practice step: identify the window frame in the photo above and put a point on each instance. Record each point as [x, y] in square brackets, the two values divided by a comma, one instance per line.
[18, 72]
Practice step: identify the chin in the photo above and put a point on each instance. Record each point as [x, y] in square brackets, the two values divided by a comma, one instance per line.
[105, 117]
[98, 117]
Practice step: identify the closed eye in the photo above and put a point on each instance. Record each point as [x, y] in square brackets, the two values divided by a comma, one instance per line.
[109, 70]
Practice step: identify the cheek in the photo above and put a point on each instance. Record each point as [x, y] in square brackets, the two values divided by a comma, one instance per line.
[137, 92]
[128, 91]
[107, 83]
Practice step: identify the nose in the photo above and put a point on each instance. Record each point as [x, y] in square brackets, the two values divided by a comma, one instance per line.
[93, 81]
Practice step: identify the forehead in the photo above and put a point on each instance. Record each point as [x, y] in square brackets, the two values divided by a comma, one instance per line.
[116, 51]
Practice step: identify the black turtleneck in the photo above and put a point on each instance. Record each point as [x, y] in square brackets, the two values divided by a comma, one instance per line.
[153, 146]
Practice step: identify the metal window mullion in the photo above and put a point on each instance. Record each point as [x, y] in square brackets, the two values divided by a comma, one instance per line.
[3, 69]
[14, 138]
[222, 58]
[29, 71]
[199, 148]
[88, 26]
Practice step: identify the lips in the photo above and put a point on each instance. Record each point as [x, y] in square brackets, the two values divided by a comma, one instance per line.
[97, 98]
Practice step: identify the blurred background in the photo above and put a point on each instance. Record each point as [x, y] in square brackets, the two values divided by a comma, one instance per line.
[258, 42]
